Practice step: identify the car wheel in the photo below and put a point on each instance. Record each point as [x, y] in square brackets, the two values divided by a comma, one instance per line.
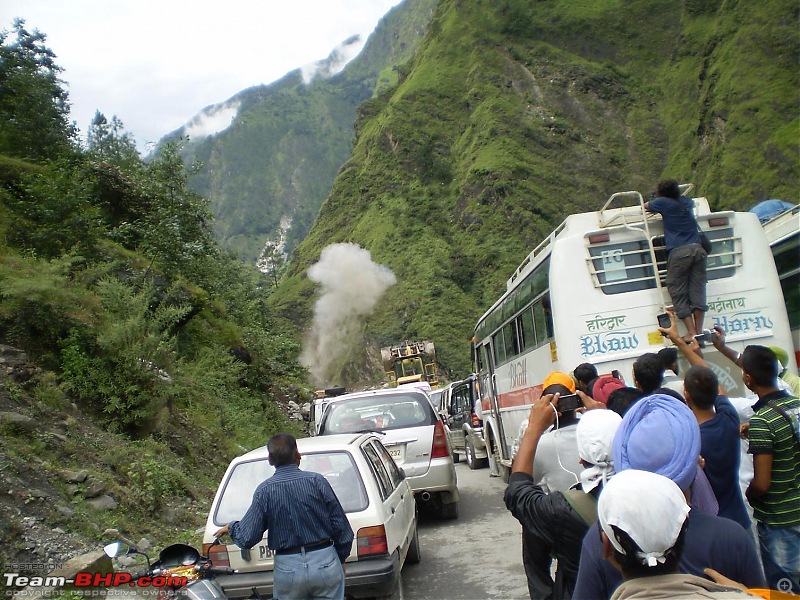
[414, 554]
[456, 457]
[503, 471]
[449, 510]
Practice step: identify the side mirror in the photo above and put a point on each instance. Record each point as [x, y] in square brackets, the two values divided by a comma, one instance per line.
[402, 472]
[115, 549]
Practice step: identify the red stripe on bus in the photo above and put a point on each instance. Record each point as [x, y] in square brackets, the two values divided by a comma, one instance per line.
[520, 397]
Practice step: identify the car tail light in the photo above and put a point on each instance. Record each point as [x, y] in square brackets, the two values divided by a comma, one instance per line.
[440, 448]
[718, 222]
[371, 541]
[217, 554]
[476, 422]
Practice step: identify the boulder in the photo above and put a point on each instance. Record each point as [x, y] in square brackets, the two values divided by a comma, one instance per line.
[91, 562]
[18, 421]
[76, 476]
[103, 503]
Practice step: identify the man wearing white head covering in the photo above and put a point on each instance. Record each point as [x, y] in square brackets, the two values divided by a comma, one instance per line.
[660, 434]
[643, 518]
[560, 519]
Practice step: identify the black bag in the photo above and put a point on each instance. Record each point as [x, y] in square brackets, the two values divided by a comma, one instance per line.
[705, 242]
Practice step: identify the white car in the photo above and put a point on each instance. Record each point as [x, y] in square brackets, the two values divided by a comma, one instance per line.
[375, 496]
[412, 432]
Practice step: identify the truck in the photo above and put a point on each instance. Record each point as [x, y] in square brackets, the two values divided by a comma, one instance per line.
[410, 362]
[321, 400]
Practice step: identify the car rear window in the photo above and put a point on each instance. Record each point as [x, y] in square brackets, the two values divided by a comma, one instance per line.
[337, 467]
[378, 413]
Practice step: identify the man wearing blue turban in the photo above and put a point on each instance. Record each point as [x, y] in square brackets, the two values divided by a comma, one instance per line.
[660, 434]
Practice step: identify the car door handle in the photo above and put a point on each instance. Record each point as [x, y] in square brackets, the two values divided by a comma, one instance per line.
[393, 510]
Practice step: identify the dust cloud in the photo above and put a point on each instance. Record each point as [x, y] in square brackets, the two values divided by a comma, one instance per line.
[351, 285]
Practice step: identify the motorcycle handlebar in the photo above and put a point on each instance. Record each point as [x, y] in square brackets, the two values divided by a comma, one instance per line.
[219, 571]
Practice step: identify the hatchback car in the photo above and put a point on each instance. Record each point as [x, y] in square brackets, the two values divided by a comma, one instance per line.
[373, 491]
[413, 434]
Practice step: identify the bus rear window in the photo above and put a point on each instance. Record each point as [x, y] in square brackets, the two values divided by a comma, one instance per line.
[622, 267]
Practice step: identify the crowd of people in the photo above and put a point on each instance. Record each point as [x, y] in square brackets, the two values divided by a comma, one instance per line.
[667, 489]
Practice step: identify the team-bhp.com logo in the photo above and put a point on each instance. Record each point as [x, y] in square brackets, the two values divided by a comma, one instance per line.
[93, 580]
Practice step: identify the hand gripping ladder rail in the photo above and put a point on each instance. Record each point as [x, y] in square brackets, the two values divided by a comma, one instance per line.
[627, 217]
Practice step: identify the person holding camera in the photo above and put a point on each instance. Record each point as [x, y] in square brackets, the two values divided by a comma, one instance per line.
[554, 523]
[686, 257]
[554, 467]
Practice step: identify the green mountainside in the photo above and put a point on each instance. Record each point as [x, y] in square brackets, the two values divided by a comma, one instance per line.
[267, 174]
[515, 113]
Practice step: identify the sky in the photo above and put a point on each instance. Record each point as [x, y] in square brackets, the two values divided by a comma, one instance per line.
[156, 63]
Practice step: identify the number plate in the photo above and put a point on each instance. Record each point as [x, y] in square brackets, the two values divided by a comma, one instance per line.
[397, 452]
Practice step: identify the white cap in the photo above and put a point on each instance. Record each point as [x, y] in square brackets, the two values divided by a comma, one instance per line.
[650, 508]
[595, 436]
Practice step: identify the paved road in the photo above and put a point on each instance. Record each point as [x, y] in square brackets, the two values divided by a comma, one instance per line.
[478, 555]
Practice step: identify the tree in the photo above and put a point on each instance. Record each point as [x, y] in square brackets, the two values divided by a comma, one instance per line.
[176, 232]
[34, 108]
[111, 143]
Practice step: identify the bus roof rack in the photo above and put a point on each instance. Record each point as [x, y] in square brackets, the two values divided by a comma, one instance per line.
[629, 214]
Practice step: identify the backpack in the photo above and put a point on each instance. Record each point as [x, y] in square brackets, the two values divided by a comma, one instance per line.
[794, 423]
[584, 504]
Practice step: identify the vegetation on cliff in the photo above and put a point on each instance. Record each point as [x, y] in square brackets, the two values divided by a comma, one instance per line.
[515, 113]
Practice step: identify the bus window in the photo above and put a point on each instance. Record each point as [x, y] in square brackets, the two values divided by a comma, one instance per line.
[499, 347]
[484, 357]
[785, 254]
[527, 329]
[623, 266]
[722, 260]
[548, 314]
[512, 347]
[540, 323]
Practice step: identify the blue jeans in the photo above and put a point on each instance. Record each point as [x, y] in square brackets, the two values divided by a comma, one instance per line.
[780, 553]
[315, 574]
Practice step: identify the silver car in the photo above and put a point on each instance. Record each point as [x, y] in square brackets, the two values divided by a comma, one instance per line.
[412, 432]
[464, 427]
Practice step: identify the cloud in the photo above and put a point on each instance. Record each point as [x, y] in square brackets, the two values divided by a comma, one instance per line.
[351, 285]
[336, 61]
[212, 120]
[155, 64]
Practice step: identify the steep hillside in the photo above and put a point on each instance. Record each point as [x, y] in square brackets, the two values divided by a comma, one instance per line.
[267, 174]
[515, 113]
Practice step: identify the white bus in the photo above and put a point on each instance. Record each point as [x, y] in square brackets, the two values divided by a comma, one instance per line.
[589, 293]
[783, 235]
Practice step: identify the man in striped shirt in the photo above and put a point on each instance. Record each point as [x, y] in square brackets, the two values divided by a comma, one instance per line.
[774, 492]
[307, 527]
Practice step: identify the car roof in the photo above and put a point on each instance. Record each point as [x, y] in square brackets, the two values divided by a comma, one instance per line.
[339, 441]
[386, 392]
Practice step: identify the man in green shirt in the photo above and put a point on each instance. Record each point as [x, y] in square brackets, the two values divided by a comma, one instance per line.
[774, 492]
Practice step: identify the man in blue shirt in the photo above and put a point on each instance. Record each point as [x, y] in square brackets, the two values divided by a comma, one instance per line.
[686, 258]
[307, 527]
[719, 440]
[661, 435]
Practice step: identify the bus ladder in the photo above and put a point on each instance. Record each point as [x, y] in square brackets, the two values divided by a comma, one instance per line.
[627, 216]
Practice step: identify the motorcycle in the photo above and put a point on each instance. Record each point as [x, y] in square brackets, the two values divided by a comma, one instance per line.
[179, 571]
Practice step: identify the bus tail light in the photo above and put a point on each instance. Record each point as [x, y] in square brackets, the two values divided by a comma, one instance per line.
[371, 541]
[217, 554]
[440, 448]
[598, 238]
[718, 222]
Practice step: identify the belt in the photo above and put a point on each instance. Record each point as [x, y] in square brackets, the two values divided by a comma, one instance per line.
[307, 548]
